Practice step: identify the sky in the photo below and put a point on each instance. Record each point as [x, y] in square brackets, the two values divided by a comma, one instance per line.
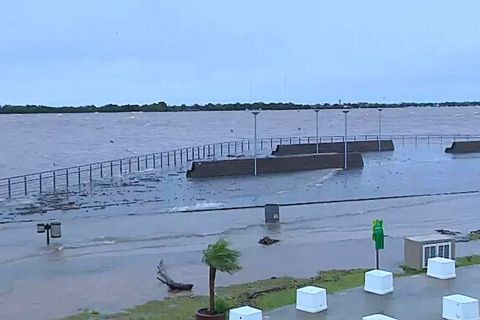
[191, 51]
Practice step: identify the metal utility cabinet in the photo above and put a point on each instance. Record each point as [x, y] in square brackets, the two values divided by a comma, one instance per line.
[418, 249]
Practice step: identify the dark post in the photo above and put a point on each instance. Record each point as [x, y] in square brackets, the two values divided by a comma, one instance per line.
[154, 161]
[101, 170]
[25, 184]
[121, 166]
[40, 182]
[79, 180]
[90, 173]
[168, 158]
[146, 162]
[174, 158]
[221, 149]
[377, 262]
[181, 156]
[66, 179]
[228, 147]
[138, 163]
[9, 189]
[111, 169]
[54, 181]
[48, 233]
[161, 159]
[129, 165]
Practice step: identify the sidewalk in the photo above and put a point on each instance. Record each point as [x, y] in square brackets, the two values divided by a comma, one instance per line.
[416, 297]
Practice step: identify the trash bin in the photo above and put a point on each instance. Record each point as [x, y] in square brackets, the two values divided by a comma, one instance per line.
[272, 213]
[56, 230]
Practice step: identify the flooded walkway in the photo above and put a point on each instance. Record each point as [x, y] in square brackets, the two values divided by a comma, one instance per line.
[417, 297]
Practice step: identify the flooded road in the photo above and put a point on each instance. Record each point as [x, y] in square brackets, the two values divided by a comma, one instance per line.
[115, 233]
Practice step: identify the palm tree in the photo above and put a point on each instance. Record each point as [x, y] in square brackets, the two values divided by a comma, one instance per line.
[219, 256]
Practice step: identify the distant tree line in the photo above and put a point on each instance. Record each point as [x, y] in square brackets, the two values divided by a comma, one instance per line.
[163, 107]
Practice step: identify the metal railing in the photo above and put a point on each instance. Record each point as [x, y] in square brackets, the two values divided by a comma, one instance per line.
[80, 178]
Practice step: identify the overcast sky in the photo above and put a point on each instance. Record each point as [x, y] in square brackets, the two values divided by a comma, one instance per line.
[199, 51]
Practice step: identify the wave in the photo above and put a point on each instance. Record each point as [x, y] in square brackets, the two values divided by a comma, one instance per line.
[198, 206]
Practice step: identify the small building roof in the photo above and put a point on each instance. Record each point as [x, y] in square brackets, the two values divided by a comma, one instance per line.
[431, 237]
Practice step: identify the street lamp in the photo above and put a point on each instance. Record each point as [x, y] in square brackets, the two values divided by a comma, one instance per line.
[316, 116]
[345, 138]
[380, 129]
[54, 229]
[255, 114]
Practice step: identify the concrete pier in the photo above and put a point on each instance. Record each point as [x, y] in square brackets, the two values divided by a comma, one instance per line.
[200, 169]
[330, 147]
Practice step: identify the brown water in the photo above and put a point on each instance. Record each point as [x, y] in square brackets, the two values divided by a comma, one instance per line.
[31, 143]
[111, 243]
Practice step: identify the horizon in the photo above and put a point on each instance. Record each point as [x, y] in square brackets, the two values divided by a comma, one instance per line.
[117, 52]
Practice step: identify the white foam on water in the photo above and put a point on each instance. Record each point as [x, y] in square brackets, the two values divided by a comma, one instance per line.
[198, 206]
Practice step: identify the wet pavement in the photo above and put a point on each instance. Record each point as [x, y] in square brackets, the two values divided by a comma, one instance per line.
[417, 297]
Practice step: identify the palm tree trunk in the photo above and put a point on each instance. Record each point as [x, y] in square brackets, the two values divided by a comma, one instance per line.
[213, 272]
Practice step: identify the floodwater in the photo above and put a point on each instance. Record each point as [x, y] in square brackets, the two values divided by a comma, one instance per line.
[32, 143]
[115, 233]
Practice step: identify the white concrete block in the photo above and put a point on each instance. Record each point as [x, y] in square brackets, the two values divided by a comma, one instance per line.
[378, 282]
[459, 307]
[245, 313]
[311, 299]
[441, 268]
[378, 317]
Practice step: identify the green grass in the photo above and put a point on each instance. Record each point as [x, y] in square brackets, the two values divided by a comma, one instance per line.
[474, 236]
[467, 261]
[279, 292]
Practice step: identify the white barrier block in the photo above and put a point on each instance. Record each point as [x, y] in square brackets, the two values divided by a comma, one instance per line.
[378, 317]
[311, 299]
[245, 313]
[441, 268]
[378, 282]
[459, 307]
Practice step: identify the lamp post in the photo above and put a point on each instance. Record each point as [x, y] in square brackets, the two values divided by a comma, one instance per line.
[316, 116]
[345, 139]
[53, 229]
[380, 129]
[255, 114]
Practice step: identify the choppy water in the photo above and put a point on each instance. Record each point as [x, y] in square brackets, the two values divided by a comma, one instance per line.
[31, 143]
[114, 234]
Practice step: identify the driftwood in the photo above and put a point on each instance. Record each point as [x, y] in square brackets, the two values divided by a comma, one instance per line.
[163, 277]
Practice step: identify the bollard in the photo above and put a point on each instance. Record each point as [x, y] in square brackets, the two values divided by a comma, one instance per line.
[272, 213]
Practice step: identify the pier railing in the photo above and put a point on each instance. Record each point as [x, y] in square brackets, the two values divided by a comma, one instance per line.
[80, 178]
